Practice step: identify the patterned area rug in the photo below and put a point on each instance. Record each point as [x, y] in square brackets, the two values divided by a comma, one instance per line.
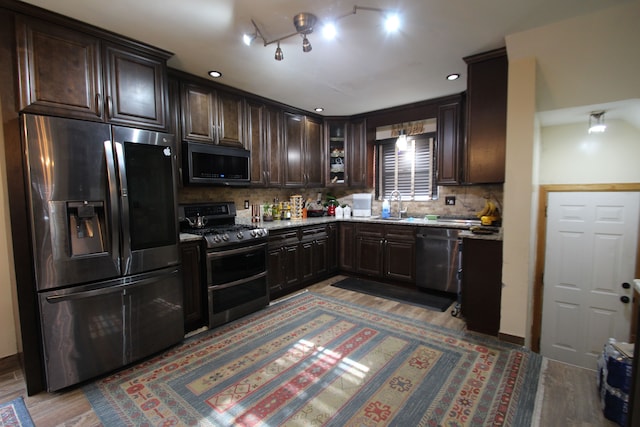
[315, 360]
[15, 414]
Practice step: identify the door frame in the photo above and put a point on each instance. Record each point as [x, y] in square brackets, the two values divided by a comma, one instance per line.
[541, 248]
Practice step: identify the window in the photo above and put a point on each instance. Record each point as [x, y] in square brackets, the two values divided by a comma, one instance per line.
[409, 171]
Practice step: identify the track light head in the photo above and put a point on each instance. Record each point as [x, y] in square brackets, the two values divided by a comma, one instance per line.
[279, 55]
[306, 46]
[249, 38]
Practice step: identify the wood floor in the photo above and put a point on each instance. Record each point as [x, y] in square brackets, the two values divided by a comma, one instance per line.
[570, 394]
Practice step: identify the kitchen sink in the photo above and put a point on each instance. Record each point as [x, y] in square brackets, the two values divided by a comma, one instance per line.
[392, 218]
[459, 221]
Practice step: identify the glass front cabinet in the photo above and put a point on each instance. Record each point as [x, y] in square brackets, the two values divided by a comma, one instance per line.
[337, 133]
[346, 145]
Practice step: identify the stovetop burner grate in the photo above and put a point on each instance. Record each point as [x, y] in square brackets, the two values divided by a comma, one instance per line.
[219, 229]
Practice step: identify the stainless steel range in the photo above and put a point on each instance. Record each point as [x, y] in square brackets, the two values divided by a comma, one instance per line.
[235, 256]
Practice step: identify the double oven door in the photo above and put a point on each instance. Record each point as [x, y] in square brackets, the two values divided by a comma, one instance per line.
[236, 281]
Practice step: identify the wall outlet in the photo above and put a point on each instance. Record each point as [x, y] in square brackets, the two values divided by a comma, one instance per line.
[449, 200]
[246, 204]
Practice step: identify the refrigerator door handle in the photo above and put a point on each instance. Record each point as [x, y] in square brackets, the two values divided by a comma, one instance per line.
[113, 204]
[54, 299]
[124, 203]
[121, 287]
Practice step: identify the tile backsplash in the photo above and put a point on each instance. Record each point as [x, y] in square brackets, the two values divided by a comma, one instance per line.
[468, 199]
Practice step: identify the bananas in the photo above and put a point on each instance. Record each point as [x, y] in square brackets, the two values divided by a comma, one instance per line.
[489, 213]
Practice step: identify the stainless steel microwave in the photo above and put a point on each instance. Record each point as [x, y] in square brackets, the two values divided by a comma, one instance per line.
[207, 164]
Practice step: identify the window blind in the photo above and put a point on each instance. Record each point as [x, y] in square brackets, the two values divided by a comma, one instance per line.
[409, 171]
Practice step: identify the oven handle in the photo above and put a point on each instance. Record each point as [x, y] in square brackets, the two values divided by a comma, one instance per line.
[237, 251]
[238, 282]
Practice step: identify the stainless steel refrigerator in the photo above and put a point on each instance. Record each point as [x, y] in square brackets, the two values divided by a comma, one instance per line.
[105, 245]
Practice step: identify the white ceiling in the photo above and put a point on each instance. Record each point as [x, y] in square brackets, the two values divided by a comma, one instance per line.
[363, 70]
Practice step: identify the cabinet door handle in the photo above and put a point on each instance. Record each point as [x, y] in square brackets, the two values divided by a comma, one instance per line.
[99, 105]
[109, 106]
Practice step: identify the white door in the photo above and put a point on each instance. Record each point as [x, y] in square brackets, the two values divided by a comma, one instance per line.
[590, 253]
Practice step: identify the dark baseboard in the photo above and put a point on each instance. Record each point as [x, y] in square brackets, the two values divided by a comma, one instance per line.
[511, 338]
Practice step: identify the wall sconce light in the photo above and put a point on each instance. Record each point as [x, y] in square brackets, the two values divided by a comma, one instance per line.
[304, 23]
[596, 122]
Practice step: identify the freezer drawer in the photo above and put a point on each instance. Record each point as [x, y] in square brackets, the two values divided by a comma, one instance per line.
[91, 330]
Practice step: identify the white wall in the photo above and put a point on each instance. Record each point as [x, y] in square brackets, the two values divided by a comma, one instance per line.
[519, 186]
[8, 343]
[568, 74]
[570, 155]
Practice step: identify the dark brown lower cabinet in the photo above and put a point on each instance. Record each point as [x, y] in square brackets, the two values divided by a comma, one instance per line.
[332, 248]
[194, 285]
[283, 266]
[482, 284]
[386, 252]
[314, 250]
[300, 256]
[347, 246]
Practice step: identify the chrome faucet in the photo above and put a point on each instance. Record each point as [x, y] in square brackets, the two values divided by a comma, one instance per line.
[398, 196]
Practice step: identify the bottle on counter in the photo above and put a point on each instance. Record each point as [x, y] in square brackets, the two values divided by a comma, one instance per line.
[339, 213]
[347, 211]
[386, 208]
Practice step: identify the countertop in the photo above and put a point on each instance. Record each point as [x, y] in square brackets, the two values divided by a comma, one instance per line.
[416, 222]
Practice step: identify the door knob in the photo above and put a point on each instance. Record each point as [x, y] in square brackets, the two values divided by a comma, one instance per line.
[625, 299]
[626, 285]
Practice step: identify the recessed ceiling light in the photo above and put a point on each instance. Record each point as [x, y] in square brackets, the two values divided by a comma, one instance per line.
[215, 74]
[318, 109]
[454, 76]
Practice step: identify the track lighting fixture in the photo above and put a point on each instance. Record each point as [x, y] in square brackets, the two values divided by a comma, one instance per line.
[596, 122]
[304, 23]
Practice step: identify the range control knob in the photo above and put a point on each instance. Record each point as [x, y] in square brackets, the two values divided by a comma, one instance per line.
[216, 238]
[240, 235]
[225, 237]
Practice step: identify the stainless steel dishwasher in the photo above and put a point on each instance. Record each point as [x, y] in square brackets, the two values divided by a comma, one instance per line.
[438, 256]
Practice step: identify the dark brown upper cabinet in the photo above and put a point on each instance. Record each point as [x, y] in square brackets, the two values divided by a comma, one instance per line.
[264, 139]
[212, 116]
[484, 151]
[304, 151]
[449, 139]
[357, 149]
[75, 74]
